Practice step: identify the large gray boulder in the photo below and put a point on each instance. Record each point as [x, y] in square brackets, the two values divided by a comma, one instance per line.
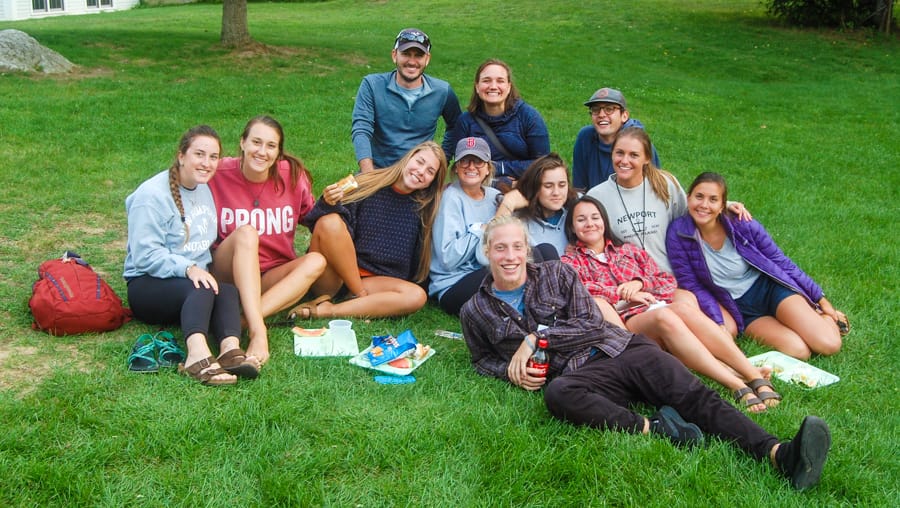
[19, 52]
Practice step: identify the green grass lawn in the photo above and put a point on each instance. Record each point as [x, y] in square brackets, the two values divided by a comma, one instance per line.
[804, 124]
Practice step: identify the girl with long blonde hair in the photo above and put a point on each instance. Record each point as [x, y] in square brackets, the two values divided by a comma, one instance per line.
[376, 238]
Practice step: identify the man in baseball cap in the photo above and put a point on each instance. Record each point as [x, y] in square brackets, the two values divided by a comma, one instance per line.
[592, 156]
[412, 38]
[395, 111]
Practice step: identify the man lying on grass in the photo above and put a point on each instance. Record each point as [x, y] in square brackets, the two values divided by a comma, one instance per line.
[597, 370]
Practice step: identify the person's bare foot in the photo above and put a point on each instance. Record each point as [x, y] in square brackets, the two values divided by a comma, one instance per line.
[258, 348]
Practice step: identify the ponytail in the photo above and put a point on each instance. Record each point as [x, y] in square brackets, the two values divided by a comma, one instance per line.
[658, 181]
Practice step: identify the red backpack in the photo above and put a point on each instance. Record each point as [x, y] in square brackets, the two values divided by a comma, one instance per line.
[69, 297]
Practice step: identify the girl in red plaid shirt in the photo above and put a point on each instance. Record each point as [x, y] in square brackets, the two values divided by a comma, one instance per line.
[627, 277]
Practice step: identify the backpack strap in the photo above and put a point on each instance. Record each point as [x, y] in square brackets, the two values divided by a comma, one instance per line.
[493, 137]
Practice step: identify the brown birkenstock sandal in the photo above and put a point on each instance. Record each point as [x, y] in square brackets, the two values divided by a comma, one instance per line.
[204, 372]
[311, 307]
[235, 362]
[766, 396]
[843, 325]
[749, 401]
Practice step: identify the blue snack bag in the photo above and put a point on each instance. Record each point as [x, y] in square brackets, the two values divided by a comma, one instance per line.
[387, 348]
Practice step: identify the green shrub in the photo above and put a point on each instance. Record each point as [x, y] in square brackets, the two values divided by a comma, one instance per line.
[831, 13]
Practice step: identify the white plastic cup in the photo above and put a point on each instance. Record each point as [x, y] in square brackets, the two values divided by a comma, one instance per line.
[340, 325]
[340, 330]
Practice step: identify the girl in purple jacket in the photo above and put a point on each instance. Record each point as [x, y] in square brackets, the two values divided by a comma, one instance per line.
[744, 282]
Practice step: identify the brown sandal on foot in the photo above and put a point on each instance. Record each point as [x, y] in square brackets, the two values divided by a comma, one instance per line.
[765, 396]
[750, 401]
[235, 362]
[204, 372]
[311, 307]
[843, 325]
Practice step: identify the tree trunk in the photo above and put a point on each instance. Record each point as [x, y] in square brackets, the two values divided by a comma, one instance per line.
[887, 16]
[235, 32]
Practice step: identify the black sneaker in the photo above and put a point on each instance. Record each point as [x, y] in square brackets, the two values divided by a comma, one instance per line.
[667, 422]
[803, 458]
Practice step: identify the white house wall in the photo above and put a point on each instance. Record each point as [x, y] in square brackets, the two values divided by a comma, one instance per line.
[11, 10]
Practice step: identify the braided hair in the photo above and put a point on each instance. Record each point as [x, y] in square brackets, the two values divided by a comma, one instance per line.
[174, 178]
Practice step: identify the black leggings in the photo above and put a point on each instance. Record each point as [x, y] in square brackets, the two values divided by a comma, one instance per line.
[454, 298]
[176, 300]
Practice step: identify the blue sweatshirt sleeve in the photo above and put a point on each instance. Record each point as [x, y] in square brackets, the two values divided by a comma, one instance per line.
[149, 252]
[322, 208]
[454, 243]
[363, 120]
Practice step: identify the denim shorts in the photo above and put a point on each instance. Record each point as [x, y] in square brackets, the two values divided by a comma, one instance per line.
[762, 299]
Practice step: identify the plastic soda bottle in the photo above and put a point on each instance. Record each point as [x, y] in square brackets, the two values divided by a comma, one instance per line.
[540, 359]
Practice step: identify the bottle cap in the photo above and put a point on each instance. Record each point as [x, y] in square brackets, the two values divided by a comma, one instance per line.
[542, 343]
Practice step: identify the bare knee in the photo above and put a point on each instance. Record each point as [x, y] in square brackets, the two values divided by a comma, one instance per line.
[668, 321]
[829, 346]
[329, 225]
[246, 237]
[414, 298]
[314, 264]
[798, 350]
[686, 297]
[680, 307]
[685, 311]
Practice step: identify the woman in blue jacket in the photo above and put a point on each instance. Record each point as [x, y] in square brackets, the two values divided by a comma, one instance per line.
[497, 106]
[744, 282]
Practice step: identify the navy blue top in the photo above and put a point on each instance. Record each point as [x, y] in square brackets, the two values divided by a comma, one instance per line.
[521, 130]
[386, 231]
[592, 158]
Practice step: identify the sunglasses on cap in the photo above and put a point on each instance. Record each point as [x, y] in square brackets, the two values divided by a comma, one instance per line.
[413, 36]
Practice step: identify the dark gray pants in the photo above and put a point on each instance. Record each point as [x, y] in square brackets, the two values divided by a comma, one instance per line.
[599, 392]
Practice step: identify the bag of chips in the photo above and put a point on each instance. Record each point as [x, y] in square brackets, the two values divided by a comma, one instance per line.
[386, 348]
